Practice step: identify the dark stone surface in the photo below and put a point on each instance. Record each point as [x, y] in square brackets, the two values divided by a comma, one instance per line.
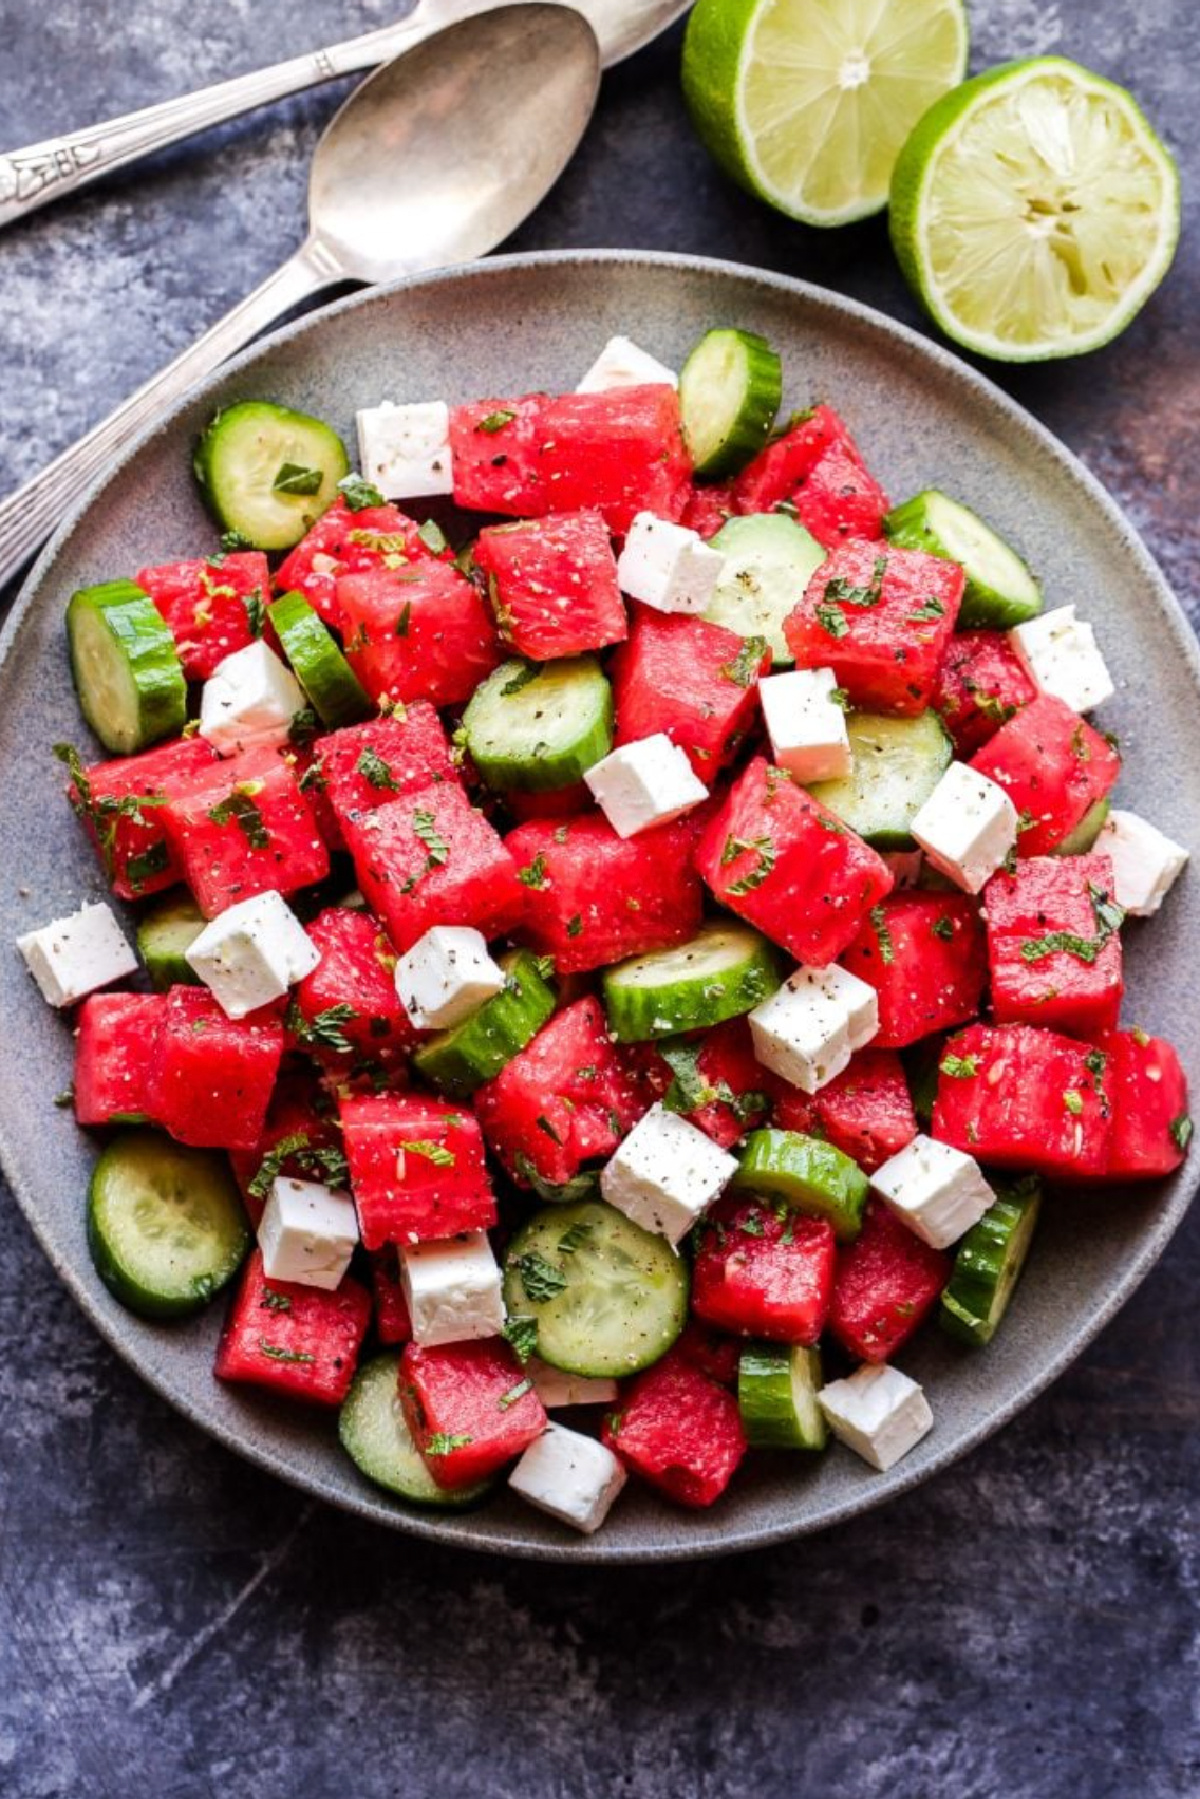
[172, 1621]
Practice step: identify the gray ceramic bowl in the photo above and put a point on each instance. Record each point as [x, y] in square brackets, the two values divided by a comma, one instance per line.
[500, 327]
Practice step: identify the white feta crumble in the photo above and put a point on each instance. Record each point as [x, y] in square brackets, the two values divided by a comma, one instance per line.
[446, 975]
[668, 566]
[453, 1289]
[1061, 657]
[878, 1412]
[966, 827]
[645, 783]
[73, 956]
[622, 364]
[307, 1233]
[251, 954]
[405, 450]
[809, 1028]
[1145, 862]
[572, 1477]
[806, 725]
[665, 1174]
[249, 700]
[936, 1190]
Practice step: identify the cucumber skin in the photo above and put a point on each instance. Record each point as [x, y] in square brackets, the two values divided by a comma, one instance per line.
[207, 478]
[751, 424]
[339, 699]
[492, 1036]
[626, 1007]
[768, 1427]
[983, 606]
[379, 1371]
[515, 774]
[135, 621]
[842, 794]
[781, 1163]
[988, 1265]
[167, 967]
[1079, 841]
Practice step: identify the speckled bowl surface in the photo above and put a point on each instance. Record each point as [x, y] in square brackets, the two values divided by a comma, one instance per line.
[924, 419]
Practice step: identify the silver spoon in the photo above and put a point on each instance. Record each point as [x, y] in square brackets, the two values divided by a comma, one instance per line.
[57, 166]
[435, 159]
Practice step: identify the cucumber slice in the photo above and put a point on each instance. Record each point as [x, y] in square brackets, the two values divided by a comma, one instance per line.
[769, 561]
[723, 971]
[1000, 590]
[896, 764]
[1083, 837]
[165, 1224]
[807, 1173]
[608, 1297]
[319, 666]
[164, 937]
[460, 1059]
[268, 473]
[989, 1260]
[729, 392]
[533, 728]
[127, 671]
[374, 1434]
[777, 1391]
[922, 1064]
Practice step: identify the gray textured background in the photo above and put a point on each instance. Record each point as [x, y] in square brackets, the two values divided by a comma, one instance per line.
[171, 1620]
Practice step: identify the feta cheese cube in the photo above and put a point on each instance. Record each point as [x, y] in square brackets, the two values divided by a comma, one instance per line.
[307, 1233]
[966, 827]
[446, 975]
[556, 1389]
[250, 699]
[806, 725]
[936, 1190]
[665, 1174]
[668, 566]
[572, 1477]
[645, 783]
[77, 954]
[878, 1412]
[251, 954]
[809, 1028]
[452, 1289]
[1145, 863]
[1061, 657]
[405, 450]
[622, 364]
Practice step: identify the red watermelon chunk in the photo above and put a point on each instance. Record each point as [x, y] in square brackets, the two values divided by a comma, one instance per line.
[732, 1088]
[392, 1322]
[131, 838]
[815, 472]
[299, 1138]
[347, 1011]
[430, 859]
[213, 1076]
[707, 509]
[711, 1351]
[1054, 768]
[866, 1111]
[1147, 1090]
[1053, 949]
[1025, 1098]
[925, 956]
[564, 1100]
[881, 618]
[241, 827]
[981, 685]
[344, 542]
[211, 608]
[417, 633]
[763, 1271]
[365, 766]
[470, 1409]
[416, 1169]
[693, 681]
[298, 1340]
[680, 1430]
[494, 449]
[552, 583]
[620, 450]
[887, 1282]
[598, 897]
[779, 859]
[115, 1047]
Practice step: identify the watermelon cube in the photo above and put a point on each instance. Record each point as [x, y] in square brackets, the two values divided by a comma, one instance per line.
[708, 508]
[731, 1087]
[680, 1430]
[494, 447]
[775, 856]
[1054, 768]
[599, 897]
[299, 1340]
[866, 1111]
[212, 1076]
[1147, 1090]
[815, 472]
[212, 607]
[1024, 1098]
[552, 583]
[241, 827]
[1053, 947]
[881, 618]
[470, 1408]
[365, 766]
[710, 1350]
[392, 1322]
[887, 1282]
[982, 683]
[299, 1138]
[695, 682]
[564, 1100]
[347, 1010]
[763, 1271]
[417, 1169]
[429, 859]
[620, 450]
[421, 632]
[115, 1046]
[344, 542]
[925, 956]
[120, 806]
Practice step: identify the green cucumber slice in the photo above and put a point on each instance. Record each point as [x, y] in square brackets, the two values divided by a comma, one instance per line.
[460, 1059]
[374, 1434]
[164, 937]
[989, 1261]
[922, 1066]
[127, 670]
[896, 764]
[165, 1224]
[608, 1297]
[769, 561]
[777, 1391]
[1079, 841]
[268, 473]
[317, 662]
[723, 971]
[1001, 590]
[729, 392]
[806, 1173]
[536, 727]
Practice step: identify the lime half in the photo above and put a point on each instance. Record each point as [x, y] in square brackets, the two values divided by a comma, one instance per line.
[1034, 211]
[807, 102]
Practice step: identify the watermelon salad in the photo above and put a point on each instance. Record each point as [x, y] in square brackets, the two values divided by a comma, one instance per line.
[635, 947]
